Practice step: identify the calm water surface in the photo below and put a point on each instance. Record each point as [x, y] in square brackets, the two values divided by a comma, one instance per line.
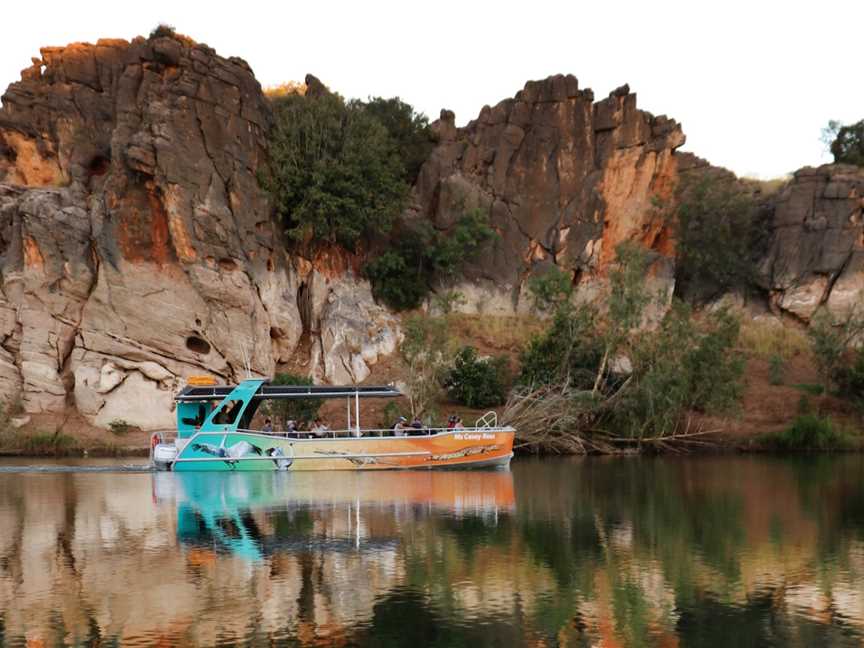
[626, 552]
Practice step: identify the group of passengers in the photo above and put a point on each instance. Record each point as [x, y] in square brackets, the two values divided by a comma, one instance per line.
[319, 429]
[401, 428]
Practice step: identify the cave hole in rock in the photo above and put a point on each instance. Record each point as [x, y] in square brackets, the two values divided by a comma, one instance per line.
[229, 265]
[198, 345]
[98, 165]
[7, 151]
[304, 305]
[276, 333]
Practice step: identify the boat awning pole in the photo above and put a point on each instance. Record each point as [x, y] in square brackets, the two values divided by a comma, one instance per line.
[348, 403]
[357, 410]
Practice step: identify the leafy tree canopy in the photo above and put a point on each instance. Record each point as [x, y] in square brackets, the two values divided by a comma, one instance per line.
[341, 171]
[718, 234]
[409, 130]
[845, 142]
[419, 256]
[477, 382]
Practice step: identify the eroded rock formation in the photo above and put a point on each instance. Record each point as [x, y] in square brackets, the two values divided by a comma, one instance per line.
[564, 179]
[817, 247]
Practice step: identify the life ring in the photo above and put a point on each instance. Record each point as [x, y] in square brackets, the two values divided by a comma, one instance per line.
[155, 439]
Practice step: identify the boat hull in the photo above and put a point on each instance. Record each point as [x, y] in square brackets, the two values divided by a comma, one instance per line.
[242, 451]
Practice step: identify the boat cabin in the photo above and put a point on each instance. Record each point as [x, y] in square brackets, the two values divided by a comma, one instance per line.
[231, 408]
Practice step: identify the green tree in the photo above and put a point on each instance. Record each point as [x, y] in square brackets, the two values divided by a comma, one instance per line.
[718, 233]
[424, 351]
[569, 351]
[409, 130]
[301, 410]
[335, 173]
[550, 289]
[681, 368]
[420, 256]
[846, 143]
[477, 382]
[831, 340]
[627, 301]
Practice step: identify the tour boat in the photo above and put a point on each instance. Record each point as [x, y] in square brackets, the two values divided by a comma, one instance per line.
[214, 433]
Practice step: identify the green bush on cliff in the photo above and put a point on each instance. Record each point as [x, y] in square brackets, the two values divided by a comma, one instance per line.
[718, 234]
[408, 129]
[550, 289]
[340, 171]
[419, 256]
[845, 142]
[335, 172]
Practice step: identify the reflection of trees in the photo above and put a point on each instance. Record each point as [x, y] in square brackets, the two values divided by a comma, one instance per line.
[760, 621]
[407, 617]
[695, 552]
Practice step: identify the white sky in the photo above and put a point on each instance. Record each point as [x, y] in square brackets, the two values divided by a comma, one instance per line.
[753, 82]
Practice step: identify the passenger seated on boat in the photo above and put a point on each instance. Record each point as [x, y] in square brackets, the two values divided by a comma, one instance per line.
[399, 427]
[416, 426]
[320, 428]
[458, 424]
[290, 428]
[451, 422]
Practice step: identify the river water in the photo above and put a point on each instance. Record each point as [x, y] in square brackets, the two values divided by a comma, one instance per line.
[722, 551]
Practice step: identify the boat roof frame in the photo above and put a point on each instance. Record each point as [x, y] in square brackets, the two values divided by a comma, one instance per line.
[197, 393]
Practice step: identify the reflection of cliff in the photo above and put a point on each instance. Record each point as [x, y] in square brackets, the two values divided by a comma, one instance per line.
[625, 553]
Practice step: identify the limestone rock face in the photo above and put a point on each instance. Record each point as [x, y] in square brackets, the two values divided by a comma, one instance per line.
[817, 245]
[137, 247]
[563, 178]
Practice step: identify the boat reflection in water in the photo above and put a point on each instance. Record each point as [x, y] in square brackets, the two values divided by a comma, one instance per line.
[254, 516]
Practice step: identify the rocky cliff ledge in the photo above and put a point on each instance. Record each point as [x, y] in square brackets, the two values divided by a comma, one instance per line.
[816, 255]
[136, 247]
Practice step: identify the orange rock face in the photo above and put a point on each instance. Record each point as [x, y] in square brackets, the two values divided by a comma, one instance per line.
[123, 166]
[564, 180]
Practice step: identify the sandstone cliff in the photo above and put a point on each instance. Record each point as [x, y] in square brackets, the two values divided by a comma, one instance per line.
[136, 247]
[564, 179]
[816, 254]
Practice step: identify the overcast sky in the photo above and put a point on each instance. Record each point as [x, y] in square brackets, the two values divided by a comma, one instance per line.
[753, 82]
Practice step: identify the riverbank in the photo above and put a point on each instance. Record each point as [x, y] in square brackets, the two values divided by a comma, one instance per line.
[781, 385]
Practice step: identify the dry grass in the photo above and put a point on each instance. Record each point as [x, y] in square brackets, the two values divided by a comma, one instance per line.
[495, 333]
[766, 337]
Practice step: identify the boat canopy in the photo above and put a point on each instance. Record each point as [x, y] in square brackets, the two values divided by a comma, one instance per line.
[194, 393]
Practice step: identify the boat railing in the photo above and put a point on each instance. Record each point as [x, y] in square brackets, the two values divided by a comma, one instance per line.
[370, 432]
[488, 420]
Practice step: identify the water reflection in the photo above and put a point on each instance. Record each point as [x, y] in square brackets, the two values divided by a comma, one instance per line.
[706, 552]
[256, 515]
